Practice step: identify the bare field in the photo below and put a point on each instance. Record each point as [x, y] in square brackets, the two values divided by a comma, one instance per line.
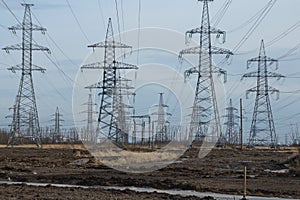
[274, 173]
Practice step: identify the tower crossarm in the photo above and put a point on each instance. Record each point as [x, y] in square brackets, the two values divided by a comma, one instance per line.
[34, 47]
[192, 50]
[230, 123]
[229, 115]
[141, 117]
[275, 75]
[221, 71]
[100, 65]
[268, 90]
[268, 74]
[254, 89]
[110, 44]
[34, 28]
[273, 90]
[194, 70]
[34, 68]
[231, 108]
[163, 105]
[218, 50]
[99, 85]
[197, 50]
[261, 59]
[205, 31]
[94, 86]
[250, 74]
[96, 65]
[191, 71]
[121, 65]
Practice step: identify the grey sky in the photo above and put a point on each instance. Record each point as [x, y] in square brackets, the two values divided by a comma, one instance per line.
[55, 89]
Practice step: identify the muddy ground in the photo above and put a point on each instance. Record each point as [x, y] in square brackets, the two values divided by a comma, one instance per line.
[221, 172]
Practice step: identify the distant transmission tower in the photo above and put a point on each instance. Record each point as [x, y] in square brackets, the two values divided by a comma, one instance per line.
[89, 132]
[57, 136]
[232, 131]
[25, 122]
[108, 121]
[205, 110]
[161, 122]
[262, 130]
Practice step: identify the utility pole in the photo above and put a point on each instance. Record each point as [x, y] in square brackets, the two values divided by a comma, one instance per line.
[25, 122]
[205, 111]
[57, 135]
[108, 126]
[241, 123]
[143, 131]
[232, 133]
[262, 131]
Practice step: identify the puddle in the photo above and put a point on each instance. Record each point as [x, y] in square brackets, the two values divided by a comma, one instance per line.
[281, 171]
[183, 193]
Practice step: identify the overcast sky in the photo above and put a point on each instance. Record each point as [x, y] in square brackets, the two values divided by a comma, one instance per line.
[68, 37]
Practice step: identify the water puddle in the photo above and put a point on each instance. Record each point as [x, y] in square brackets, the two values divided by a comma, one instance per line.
[281, 171]
[183, 193]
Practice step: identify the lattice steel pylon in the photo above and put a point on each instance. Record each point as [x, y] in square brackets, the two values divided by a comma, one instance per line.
[205, 109]
[232, 130]
[25, 122]
[161, 121]
[262, 131]
[89, 132]
[108, 126]
[56, 135]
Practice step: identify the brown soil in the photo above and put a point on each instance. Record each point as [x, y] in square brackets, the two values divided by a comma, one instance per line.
[221, 171]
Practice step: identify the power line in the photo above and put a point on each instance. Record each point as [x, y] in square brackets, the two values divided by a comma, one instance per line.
[258, 21]
[123, 21]
[139, 31]
[280, 37]
[77, 21]
[4, 27]
[255, 16]
[290, 52]
[255, 25]
[220, 14]
[284, 34]
[11, 12]
[118, 19]
[101, 12]
[49, 58]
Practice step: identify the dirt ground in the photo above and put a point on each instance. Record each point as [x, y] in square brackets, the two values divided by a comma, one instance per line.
[221, 172]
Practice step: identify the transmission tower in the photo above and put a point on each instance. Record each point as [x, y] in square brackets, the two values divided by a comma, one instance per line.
[205, 110]
[57, 136]
[262, 131]
[232, 133]
[89, 132]
[25, 122]
[108, 121]
[161, 122]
